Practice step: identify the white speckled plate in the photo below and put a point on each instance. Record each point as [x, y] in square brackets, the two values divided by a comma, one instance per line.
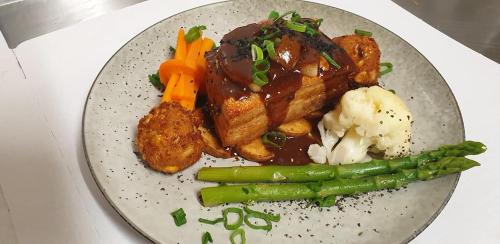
[121, 95]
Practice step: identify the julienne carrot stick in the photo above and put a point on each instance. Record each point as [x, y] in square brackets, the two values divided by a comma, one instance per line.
[183, 75]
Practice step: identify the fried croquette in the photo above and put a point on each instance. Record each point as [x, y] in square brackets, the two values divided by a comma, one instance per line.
[365, 53]
[168, 138]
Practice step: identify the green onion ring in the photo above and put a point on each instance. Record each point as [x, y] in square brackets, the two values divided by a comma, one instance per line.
[260, 78]
[194, 33]
[257, 53]
[388, 68]
[285, 14]
[236, 224]
[237, 232]
[360, 32]
[261, 65]
[280, 136]
[268, 226]
[269, 36]
[270, 48]
[296, 26]
[272, 217]
[210, 222]
[330, 60]
[273, 15]
[206, 238]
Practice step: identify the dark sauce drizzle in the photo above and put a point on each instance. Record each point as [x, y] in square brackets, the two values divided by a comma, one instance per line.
[233, 63]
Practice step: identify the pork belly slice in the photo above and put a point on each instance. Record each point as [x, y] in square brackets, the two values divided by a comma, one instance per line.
[241, 115]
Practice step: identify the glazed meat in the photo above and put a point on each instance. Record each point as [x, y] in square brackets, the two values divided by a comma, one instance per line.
[365, 53]
[301, 81]
[168, 138]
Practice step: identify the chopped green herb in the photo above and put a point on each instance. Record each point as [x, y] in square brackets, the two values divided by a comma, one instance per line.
[194, 33]
[362, 33]
[261, 65]
[257, 53]
[273, 15]
[285, 14]
[237, 223]
[392, 90]
[179, 217]
[295, 17]
[274, 138]
[238, 232]
[154, 79]
[327, 201]
[260, 78]
[295, 26]
[310, 30]
[171, 50]
[330, 60]
[206, 238]
[270, 48]
[272, 217]
[388, 68]
[210, 222]
[268, 226]
[318, 22]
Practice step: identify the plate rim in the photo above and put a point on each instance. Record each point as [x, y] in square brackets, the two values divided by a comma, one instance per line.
[149, 237]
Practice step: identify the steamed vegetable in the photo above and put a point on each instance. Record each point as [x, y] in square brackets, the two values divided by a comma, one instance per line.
[183, 75]
[212, 196]
[316, 172]
[367, 119]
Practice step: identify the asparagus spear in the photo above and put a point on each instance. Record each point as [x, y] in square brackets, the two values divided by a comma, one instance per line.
[315, 172]
[212, 196]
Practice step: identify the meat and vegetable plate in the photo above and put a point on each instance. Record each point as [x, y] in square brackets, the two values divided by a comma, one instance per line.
[308, 107]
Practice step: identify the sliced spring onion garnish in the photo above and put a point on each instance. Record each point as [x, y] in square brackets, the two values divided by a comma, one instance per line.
[270, 48]
[179, 217]
[295, 17]
[238, 232]
[237, 223]
[327, 201]
[171, 50]
[362, 33]
[272, 217]
[210, 222]
[260, 78]
[261, 65]
[257, 53]
[194, 33]
[206, 238]
[310, 30]
[154, 79]
[268, 226]
[274, 138]
[296, 26]
[330, 60]
[388, 68]
[318, 22]
[273, 15]
[286, 14]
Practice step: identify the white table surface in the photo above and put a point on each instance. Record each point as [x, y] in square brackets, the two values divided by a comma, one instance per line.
[49, 195]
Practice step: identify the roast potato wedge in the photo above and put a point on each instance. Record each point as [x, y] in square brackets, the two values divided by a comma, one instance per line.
[212, 144]
[255, 151]
[298, 127]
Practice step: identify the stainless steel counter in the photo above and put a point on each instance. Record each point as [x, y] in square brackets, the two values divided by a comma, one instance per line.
[476, 24]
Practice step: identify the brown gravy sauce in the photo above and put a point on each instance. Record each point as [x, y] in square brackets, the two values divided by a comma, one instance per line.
[233, 61]
[293, 152]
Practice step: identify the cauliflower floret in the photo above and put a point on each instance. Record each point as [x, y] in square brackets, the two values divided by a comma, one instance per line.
[367, 119]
